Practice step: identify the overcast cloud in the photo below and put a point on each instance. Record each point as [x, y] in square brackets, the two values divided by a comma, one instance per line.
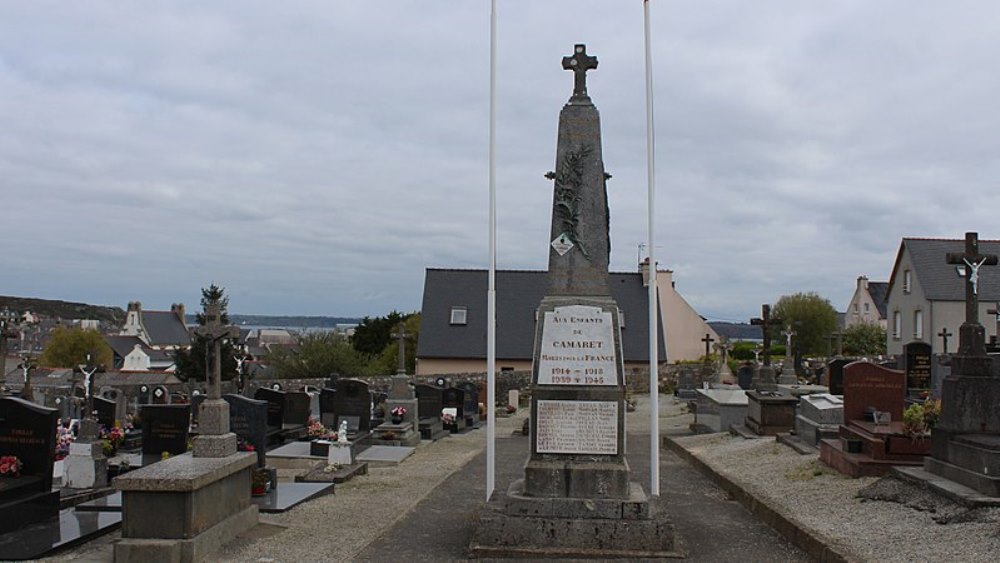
[315, 157]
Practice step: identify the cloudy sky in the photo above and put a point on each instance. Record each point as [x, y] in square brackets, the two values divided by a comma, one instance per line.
[315, 157]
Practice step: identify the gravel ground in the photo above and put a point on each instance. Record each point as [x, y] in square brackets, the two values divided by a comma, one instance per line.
[825, 502]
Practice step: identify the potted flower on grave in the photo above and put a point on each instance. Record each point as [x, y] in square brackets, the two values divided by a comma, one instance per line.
[10, 466]
[111, 439]
[919, 419]
[397, 414]
[259, 482]
[448, 421]
[243, 446]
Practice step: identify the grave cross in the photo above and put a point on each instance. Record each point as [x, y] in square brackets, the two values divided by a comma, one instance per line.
[215, 331]
[972, 260]
[579, 63]
[401, 335]
[708, 340]
[765, 322]
[27, 366]
[944, 334]
[839, 337]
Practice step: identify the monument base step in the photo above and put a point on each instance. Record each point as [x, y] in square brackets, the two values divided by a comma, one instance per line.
[987, 485]
[514, 525]
[945, 487]
[832, 453]
[198, 548]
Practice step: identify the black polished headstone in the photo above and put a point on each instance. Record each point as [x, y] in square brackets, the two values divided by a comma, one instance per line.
[430, 400]
[165, 429]
[297, 409]
[327, 416]
[105, 412]
[28, 431]
[744, 376]
[454, 399]
[248, 420]
[352, 398]
[835, 375]
[275, 405]
[917, 362]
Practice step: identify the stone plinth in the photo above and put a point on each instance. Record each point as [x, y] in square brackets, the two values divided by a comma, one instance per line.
[85, 466]
[769, 414]
[966, 441]
[516, 525]
[718, 409]
[391, 434]
[765, 379]
[183, 508]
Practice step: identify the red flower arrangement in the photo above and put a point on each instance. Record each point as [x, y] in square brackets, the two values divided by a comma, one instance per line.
[10, 466]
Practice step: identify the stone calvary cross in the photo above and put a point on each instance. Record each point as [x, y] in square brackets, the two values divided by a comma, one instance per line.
[971, 336]
[580, 62]
[765, 322]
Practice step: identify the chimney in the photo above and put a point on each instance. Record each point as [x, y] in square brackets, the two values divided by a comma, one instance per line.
[644, 270]
[863, 282]
[134, 306]
[178, 309]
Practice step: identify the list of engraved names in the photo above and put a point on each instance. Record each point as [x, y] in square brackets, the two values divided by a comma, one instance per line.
[577, 427]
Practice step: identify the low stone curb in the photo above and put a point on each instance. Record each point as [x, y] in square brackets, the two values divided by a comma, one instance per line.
[819, 548]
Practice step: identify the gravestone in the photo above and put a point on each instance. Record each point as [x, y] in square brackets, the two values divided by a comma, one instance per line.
[196, 401]
[718, 409]
[453, 403]
[576, 498]
[917, 362]
[297, 408]
[819, 417]
[121, 403]
[165, 429]
[105, 410]
[688, 383]
[430, 401]
[835, 375]
[248, 419]
[327, 416]
[872, 439]
[352, 401]
[744, 377]
[275, 406]
[27, 431]
[940, 369]
[399, 430]
[471, 406]
[161, 396]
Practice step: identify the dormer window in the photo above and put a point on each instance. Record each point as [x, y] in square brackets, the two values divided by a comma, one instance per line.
[906, 281]
[459, 315]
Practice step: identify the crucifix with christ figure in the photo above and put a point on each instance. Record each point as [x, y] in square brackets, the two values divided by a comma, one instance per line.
[765, 322]
[944, 334]
[972, 341]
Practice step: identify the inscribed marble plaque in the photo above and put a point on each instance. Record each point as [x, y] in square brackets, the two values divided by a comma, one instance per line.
[577, 427]
[578, 347]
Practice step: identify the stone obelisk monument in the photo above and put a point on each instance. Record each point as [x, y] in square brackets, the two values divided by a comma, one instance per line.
[576, 478]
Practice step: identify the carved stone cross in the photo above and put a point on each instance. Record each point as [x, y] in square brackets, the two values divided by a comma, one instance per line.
[944, 334]
[401, 335]
[214, 331]
[708, 340]
[579, 63]
[765, 322]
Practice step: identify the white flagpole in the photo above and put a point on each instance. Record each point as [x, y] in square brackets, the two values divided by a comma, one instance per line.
[491, 294]
[654, 383]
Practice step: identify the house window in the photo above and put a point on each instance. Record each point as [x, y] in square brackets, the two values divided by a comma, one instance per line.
[897, 324]
[855, 308]
[866, 307]
[459, 315]
[918, 324]
[906, 281]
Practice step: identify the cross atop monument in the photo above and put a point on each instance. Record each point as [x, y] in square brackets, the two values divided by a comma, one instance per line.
[214, 331]
[401, 335]
[579, 63]
[972, 338]
[765, 322]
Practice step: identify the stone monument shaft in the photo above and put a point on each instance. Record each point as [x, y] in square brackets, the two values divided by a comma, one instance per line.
[580, 245]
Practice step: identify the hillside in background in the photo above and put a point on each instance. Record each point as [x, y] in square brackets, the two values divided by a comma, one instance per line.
[64, 309]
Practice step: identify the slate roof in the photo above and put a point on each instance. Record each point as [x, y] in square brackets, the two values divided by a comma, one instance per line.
[165, 329]
[518, 294]
[937, 278]
[123, 345]
[737, 331]
[879, 294]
